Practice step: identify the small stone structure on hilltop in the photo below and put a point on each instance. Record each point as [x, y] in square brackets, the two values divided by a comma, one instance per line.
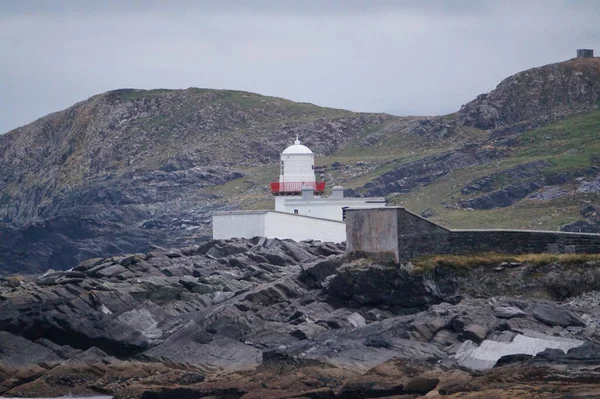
[396, 234]
[585, 53]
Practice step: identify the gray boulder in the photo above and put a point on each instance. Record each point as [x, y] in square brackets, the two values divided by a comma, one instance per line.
[554, 315]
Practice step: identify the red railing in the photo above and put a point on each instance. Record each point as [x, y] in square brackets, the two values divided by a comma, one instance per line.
[296, 187]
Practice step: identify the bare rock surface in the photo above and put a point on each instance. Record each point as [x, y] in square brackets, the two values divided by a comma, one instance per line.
[223, 316]
[535, 95]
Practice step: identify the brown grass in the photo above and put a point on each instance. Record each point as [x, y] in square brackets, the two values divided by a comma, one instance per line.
[467, 262]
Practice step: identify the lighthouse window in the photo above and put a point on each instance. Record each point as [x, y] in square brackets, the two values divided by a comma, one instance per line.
[295, 211]
[282, 164]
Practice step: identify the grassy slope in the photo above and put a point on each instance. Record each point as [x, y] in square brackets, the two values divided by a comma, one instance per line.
[570, 144]
[394, 148]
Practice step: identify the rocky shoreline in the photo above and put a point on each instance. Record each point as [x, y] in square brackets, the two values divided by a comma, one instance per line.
[278, 319]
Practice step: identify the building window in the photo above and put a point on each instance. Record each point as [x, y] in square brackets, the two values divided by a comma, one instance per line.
[282, 165]
[344, 213]
[295, 211]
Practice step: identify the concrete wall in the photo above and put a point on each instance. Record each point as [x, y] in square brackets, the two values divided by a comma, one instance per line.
[371, 231]
[326, 208]
[418, 236]
[523, 241]
[239, 224]
[298, 228]
[271, 224]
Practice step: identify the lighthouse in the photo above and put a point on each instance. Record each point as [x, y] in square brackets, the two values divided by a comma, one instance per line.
[297, 172]
[302, 210]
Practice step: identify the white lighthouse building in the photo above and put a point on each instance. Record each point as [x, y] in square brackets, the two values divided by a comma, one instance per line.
[301, 210]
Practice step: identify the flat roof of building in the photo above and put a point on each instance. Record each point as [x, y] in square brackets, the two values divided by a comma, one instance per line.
[260, 212]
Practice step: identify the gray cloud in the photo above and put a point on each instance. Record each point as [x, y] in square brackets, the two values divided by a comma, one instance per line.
[402, 57]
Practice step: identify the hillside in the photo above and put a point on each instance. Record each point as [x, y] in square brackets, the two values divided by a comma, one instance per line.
[130, 168]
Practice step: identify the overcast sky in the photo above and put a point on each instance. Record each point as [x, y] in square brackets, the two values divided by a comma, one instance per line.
[403, 57]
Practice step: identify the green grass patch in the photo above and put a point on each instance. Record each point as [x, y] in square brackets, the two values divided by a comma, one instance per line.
[467, 262]
[569, 144]
[525, 214]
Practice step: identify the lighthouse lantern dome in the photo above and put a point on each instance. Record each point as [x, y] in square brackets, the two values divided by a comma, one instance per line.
[297, 171]
[296, 148]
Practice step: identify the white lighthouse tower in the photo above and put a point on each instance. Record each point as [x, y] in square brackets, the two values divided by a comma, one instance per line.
[297, 172]
[301, 209]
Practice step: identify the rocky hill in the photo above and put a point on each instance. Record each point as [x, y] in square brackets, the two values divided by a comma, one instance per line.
[130, 168]
[537, 95]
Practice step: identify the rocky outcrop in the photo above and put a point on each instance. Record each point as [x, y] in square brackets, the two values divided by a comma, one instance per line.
[119, 215]
[590, 223]
[582, 226]
[170, 322]
[502, 198]
[538, 95]
[527, 180]
[520, 172]
[412, 175]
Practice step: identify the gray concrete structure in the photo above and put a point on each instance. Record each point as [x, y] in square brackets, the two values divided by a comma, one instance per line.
[585, 53]
[396, 234]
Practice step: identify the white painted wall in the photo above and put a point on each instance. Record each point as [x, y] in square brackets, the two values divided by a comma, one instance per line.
[239, 224]
[297, 168]
[276, 225]
[298, 228]
[280, 203]
[326, 208]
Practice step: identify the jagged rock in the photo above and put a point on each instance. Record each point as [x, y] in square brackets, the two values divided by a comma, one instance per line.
[356, 320]
[16, 351]
[420, 385]
[423, 172]
[316, 274]
[508, 312]
[475, 332]
[197, 287]
[502, 198]
[246, 314]
[220, 296]
[63, 351]
[582, 226]
[307, 331]
[130, 260]
[66, 280]
[174, 253]
[88, 264]
[587, 353]
[369, 390]
[394, 287]
[425, 330]
[555, 316]
[527, 170]
[111, 271]
[95, 269]
[445, 338]
[49, 279]
[535, 94]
